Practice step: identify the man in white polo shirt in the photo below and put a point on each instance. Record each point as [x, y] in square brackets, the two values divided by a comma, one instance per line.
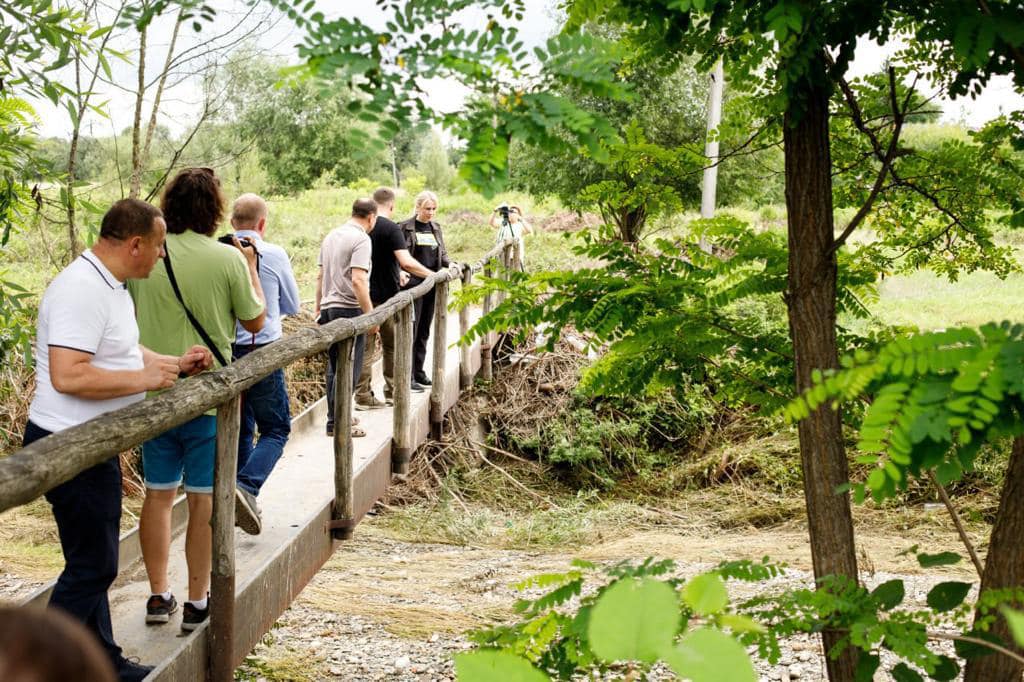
[89, 362]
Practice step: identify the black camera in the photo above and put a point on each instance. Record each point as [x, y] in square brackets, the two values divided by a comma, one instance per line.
[228, 239]
[244, 241]
[503, 210]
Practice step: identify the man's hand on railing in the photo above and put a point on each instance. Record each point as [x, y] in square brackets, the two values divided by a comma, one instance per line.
[195, 360]
[159, 371]
[455, 270]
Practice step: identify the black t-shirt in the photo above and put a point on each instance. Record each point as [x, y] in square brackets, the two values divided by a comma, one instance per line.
[426, 251]
[385, 239]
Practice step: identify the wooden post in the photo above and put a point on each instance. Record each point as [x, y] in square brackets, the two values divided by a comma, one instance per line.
[343, 515]
[517, 256]
[222, 579]
[440, 353]
[465, 371]
[486, 367]
[401, 445]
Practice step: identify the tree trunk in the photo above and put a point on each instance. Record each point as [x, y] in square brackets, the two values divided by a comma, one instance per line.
[161, 83]
[135, 182]
[811, 301]
[1004, 568]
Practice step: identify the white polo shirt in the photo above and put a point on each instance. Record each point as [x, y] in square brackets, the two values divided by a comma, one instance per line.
[87, 309]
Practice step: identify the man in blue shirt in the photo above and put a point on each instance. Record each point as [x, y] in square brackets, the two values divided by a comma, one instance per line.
[265, 404]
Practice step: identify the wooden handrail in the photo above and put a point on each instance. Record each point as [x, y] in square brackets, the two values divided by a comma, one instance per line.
[31, 471]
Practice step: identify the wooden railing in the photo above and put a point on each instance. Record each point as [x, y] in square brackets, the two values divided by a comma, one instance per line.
[31, 471]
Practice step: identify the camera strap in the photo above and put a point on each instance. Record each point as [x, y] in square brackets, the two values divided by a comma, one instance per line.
[188, 313]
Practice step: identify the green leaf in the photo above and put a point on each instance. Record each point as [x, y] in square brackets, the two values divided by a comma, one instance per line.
[904, 673]
[946, 669]
[1015, 619]
[485, 666]
[940, 559]
[708, 655]
[634, 620]
[889, 594]
[867, 664]
[740, 623]
[706, 594]
[948, 595]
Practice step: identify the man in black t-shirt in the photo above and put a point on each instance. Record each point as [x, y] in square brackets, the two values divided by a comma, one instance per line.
[390, 260]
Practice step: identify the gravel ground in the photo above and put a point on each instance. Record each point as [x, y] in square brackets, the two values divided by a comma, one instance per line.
[382, 609]
[387, 610]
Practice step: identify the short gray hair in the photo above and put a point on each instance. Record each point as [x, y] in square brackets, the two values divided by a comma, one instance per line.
[425, 195]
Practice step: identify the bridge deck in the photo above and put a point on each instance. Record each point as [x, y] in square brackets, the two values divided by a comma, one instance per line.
[273, 567]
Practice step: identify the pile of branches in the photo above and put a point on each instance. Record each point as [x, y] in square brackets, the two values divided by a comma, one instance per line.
[486, 426]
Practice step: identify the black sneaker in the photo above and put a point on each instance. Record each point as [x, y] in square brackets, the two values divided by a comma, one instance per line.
[191, 617]
[423, 379]
[131, 671]
[417, 387]
[159, 610]
[247, 514]
[329, 430]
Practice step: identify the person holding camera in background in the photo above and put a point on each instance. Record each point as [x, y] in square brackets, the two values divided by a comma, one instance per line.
[512, 226]
[265, 403]
[196, 297]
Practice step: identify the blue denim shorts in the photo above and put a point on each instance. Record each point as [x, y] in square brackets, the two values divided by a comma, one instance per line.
[189, 449]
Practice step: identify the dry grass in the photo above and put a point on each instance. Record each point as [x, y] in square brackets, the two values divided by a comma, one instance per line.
[410, 596]
[278, 663]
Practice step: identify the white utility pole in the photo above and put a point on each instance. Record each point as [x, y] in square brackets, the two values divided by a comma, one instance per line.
[710, 185]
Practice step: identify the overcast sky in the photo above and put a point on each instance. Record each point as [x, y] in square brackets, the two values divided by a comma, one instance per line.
[278, 37]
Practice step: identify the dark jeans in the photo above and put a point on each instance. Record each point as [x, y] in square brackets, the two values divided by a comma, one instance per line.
[264, 406]
[87, 509]
[424, 311]
[328, 315]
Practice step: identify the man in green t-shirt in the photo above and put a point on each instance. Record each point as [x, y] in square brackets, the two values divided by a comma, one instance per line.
[202, 288]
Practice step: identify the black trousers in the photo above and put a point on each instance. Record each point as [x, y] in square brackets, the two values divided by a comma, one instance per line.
[424, 312]
[87, 509]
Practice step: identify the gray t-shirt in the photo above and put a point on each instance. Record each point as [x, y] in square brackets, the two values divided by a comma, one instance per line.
[344, 248]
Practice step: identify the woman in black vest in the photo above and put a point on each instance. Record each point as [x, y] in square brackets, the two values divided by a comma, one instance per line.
[425, 242]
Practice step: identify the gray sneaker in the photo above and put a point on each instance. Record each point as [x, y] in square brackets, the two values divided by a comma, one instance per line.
[247, 514]
[371, 404]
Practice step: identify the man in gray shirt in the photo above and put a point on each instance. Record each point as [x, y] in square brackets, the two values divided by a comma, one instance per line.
[343, 288]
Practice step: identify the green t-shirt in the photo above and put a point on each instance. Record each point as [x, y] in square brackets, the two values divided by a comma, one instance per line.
[214, 281]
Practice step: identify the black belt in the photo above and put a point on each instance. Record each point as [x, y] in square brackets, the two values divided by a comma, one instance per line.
[250, 346]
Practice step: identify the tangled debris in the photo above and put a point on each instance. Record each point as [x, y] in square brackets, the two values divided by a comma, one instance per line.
[530, 392]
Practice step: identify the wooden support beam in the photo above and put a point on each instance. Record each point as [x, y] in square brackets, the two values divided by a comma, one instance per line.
[465, 369]
[343, 521]
[401, 449]
[440, 353]
[222, 579]
[486, 366]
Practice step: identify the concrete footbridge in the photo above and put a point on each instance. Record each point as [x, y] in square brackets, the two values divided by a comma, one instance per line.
[319, 491]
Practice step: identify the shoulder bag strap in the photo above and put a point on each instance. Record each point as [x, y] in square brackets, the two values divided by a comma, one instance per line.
[188, 313]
